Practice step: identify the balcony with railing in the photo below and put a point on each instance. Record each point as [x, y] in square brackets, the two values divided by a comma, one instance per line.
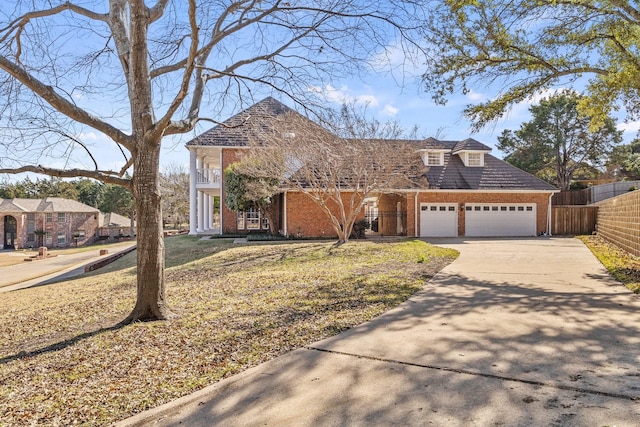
[208, 178]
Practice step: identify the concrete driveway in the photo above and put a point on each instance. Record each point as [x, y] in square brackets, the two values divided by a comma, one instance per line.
[515, 332]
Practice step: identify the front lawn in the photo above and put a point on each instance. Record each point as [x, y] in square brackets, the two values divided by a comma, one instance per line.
[63, 360]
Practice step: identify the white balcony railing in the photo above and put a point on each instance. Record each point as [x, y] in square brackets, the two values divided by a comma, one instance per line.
[208, 178]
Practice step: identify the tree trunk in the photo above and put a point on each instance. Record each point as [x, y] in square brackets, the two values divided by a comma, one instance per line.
[151, 293]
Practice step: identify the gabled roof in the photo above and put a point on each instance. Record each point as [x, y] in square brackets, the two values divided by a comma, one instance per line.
[469, 144]
[236, 131]
[113, 219]
[50, 204]
[496, 174]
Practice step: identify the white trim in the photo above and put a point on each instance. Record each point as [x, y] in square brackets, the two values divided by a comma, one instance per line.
[415, 210]
[489, 191]
[192, 192]
[221, 191]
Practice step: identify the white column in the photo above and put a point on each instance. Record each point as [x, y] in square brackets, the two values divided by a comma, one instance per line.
[205, 218]
[200, 211]
[200, 203]
[192, 192]
[211, 212]
[221, 189]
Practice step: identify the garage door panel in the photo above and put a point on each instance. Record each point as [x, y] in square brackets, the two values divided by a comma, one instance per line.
[500, 220]
[438, 220]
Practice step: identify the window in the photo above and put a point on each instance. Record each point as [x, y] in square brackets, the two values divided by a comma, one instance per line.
[474, 159]
[49, 218]
[253, 219]
[452, 208]
[62, 217]
[240, 220]
[48, 239]
[31, 237]
[62, 238]
[434, 159]
[31, 217]
[80, 234]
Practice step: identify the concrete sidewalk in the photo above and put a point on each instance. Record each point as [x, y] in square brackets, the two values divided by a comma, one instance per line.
[35, 273]
[516, 332]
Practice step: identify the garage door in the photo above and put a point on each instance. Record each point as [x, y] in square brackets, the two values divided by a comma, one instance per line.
[438, 220]
[497, 220]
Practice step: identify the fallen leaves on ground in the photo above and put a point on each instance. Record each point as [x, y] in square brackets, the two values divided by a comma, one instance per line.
[64, 360]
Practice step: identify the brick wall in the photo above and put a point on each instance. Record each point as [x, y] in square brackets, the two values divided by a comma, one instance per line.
[73, 222]
[619, 221]
[307, 219]
[540, 199]
[388, 214]
[229, 156]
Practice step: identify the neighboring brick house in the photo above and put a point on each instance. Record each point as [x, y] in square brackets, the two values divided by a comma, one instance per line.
[469, 191]
[53, 222]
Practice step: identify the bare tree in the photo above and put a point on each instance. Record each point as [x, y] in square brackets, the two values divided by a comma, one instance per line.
[134, 74]
[340, 164]
[174, 187]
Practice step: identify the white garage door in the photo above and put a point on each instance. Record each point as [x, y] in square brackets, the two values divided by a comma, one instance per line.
[497, 220]
[438, 220]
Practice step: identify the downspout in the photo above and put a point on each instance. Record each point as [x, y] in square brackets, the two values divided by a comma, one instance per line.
[549, 215]
[415, 213]
[220, 192]
[284, 215]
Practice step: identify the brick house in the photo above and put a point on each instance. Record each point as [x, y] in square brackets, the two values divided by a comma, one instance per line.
[53, 222]
[469, 191]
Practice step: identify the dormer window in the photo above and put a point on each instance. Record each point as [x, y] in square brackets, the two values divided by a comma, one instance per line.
[475, 159]
[472, 158]
[433, 158]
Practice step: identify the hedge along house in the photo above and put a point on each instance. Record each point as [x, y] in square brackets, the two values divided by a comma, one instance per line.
[467, 191]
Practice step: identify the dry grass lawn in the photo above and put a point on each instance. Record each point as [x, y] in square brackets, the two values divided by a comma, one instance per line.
[64, 361]
[620, 264]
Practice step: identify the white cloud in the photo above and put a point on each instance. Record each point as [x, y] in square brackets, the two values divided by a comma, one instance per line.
[474, 96]
[630, 127]
[343, 95]
[91, 136]
[389, 110]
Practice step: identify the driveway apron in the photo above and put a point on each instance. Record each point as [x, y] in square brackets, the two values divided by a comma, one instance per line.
[515, 332]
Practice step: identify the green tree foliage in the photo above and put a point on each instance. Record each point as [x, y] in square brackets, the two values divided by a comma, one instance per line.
[529, 46]
[557, 142]
[117, 199]
[624, 161]
[247, 188]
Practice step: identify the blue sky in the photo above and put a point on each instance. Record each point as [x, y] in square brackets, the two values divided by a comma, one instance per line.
[410, 106]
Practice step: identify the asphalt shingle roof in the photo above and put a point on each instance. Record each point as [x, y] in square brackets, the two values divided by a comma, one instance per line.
[496, 174]
[236, 131]
[50, 204]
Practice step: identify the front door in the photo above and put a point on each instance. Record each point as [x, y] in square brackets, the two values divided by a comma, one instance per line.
[10, 230]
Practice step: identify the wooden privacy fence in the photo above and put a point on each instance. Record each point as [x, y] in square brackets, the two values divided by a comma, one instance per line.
[572, 197]
[573, 219]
